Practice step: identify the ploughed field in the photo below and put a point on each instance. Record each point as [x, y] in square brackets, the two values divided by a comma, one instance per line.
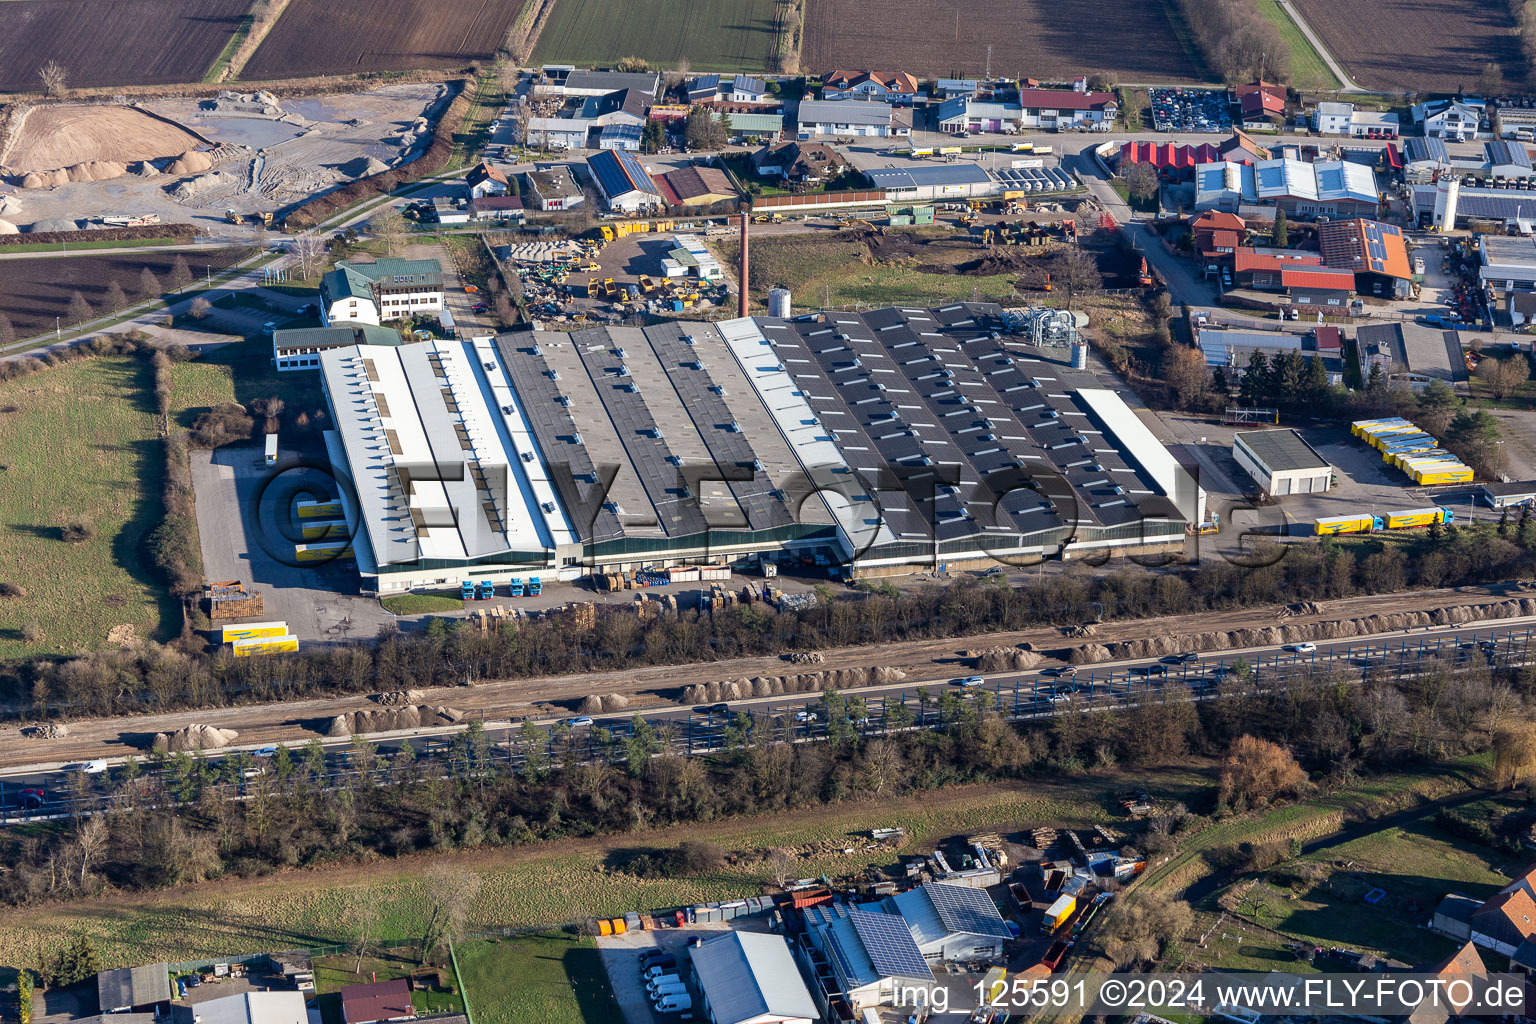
[326, 37]
[34, 292]
[1133, 39]
[712, 35]
[114, 42]
[1417, 45]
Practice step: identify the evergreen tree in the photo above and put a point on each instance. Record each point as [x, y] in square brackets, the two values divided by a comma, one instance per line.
[1282, 236]
[1255, 385]
[1524, 530]
[1377, 381]
[1290, 373]
[653, 137]
[1504, 522]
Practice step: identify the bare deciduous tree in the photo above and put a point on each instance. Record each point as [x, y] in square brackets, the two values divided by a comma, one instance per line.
[309, 251]
[1504, 376]
[200, 309]
[388, 226]
[450, 894]
[55, 78]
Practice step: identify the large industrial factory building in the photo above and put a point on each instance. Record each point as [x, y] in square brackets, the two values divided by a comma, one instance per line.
[888, 442]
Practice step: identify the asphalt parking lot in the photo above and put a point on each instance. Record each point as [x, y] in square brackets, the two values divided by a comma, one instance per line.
[318, 602]
[621, 958]
[1363, 483]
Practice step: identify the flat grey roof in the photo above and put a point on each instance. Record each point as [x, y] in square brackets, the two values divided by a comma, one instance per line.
[1505, 489]
[1280, 450]
[928, 176]
[126, 987]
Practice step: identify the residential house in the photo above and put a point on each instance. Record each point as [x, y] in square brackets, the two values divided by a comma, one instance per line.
[503, 208]
[1262, 104]
[746, 89]
[1260, 268]
[1383, 345]
[1453, 120]
[751, 978]
[143, 989]
[1453, 916]
[847, 117]
[377, 1002]
[799, 161]
[951, 922]
[703, 89]
[623, 181]
[300, 348]
[1332, 118]
[385, 289]
[1242, 149]
[1374, 252]
[485, 180]
[695, 186]
[1218, 235]
[1317, 287]
[894, 87]
[1064, 109]
[968, 114]
[601, 83]
[1521, 308]
[552, 189]
[1505, 921]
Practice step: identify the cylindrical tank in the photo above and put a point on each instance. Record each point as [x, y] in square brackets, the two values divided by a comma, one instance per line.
[1079, 357]
[778, 303]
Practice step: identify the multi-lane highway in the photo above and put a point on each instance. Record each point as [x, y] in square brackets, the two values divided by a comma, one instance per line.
[1047, 690]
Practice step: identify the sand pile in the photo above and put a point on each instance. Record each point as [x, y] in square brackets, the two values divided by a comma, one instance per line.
[9, 206]
[143, 169]
[363, 167]
[190, 162]
[7, 228]
[46, 731]
[194, 187]
[394, 698]
[1270, 636]
[596, 705]
[1003, 659]
[48, 224]
[96, 170]
[44, 179]
[259, 102]
[195, 737]
[67, 134]
[393, 719]
[804, 682]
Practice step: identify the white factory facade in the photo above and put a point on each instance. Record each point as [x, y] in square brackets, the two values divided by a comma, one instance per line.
[882, 443]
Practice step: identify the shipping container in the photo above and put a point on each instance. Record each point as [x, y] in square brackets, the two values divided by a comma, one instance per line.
[248, 630]
[318, 509]
[265, 645]
[1058, 913]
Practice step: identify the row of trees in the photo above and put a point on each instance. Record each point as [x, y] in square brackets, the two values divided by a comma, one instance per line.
[153, 678]
[178, 825]
[1238, 42]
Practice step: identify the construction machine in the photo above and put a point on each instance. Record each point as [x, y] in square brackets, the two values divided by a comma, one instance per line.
[1146, 274]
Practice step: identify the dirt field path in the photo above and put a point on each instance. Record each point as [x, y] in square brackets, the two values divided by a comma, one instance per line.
[297, 721]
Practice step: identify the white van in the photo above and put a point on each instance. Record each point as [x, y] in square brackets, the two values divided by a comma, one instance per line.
[666, 987]
[674, 1003]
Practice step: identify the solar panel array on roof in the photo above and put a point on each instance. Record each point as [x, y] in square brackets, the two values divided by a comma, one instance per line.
[963, 909]
[889, 944]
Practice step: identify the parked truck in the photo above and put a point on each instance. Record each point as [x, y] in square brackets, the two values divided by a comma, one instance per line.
[485, 591]
[515, 588]
[535, 586]
[1058, 913]
[467, 590]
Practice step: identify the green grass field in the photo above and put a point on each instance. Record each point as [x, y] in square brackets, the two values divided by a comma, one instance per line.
[239, 372]
[829, 271]
[542, 978]
[712, 35]
[81, 444]
[1308, 69]
[132, 243]
[418, 604]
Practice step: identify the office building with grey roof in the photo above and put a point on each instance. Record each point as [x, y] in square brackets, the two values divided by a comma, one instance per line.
[887, 442]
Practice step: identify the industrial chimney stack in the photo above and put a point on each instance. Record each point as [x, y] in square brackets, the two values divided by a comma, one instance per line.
[741, 296]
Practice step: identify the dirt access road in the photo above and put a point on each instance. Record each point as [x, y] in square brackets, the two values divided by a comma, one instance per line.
[658, 686]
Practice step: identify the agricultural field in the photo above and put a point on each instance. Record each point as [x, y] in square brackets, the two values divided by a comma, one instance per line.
[551, 977]
[124, 42]
[79, 443]
[34, 292]
[1411, 46]
[326, 37]
[712, 35]
[1132, 39]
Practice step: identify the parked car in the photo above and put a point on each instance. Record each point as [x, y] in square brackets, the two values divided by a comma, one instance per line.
[33, 798]
[719, 709]
[96, 767]
[805, 716]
